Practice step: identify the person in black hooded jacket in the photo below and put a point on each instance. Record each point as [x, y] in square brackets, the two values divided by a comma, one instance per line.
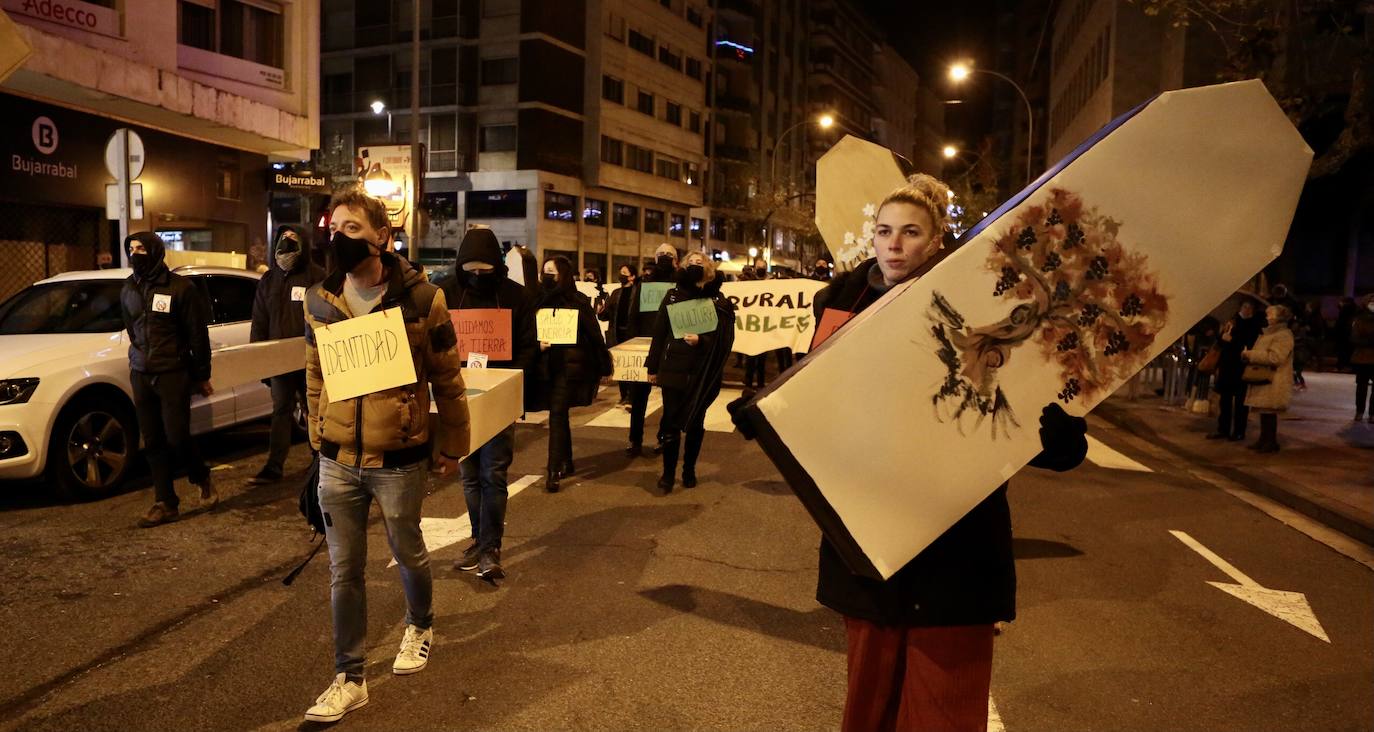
[167, 318]
[689, 369]
[279, 312]
[481, 282]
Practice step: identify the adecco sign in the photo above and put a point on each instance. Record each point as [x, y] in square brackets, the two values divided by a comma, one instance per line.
[70, 13]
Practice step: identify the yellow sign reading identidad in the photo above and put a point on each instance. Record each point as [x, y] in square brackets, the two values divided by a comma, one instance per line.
[364, 355]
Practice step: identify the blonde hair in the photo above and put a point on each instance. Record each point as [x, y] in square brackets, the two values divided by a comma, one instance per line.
[707, 266]
[927, 192]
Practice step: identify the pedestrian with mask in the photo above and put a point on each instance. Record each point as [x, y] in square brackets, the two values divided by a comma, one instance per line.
[616, 311]
[641, 323]
[376, 447]
[279, 312]
[689, 369]
[568, 374]
[483, 284]
[167, 319]
[1238, 334]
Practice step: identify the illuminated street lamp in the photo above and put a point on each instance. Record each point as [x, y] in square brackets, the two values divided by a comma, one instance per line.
[825, 122]
[960, 71]
[950, 151]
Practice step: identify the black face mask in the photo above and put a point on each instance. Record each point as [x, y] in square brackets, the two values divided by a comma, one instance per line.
[550, 282]
[350, 252]
[624, 280]
[691, 275]
[484, 281]
[142, 263]
[665, 263]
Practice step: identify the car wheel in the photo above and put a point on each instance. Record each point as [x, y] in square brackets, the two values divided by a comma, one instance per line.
[91, 450]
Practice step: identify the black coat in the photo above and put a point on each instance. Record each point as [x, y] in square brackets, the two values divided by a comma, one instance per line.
[279, 303]
[967, 575]
[641, 322]
[694, 370]
[168, 321]
[617, 313]
[1230, 366]
[582, 365]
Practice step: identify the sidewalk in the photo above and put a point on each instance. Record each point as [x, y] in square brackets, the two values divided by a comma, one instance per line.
[1325, 469]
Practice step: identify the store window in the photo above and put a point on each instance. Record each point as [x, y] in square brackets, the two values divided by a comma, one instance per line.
[625, 217]
[594, 212]
[653, 221]
[560, 207]
[496, 204]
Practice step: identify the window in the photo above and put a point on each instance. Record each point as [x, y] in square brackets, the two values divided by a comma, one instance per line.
[612, 89]
[496, 204]
[694, 122]
[669, 59]
[691, 175]
[641, 43]
[666, 3]
[560, 206]
[698, 226]
[499, 71]
[443, 142]
[673, 113]
[625, 217]
[718, 228]
[666, 167]
[252, 31]
[653, 221]
[677, 225]
[594, 212]
[227, 175]
[197, 25]
[639, 158]
[498, 138]
[612, 151]
[694, 68]
[231, 298]
[497, 8]
[646, 103]
[615, 27]
[694, 16]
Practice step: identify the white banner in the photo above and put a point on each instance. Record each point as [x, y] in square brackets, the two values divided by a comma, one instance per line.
[773, 314]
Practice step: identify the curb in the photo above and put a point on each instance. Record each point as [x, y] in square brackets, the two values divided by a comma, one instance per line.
[1294, 496]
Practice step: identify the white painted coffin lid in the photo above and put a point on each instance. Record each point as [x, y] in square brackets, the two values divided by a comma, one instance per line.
[1206, 180]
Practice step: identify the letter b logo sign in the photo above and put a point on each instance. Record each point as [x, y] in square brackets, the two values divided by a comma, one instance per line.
[45, 135]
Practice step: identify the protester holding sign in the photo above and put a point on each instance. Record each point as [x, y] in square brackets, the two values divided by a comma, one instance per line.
[616, 311]
[571, 364]
[279, 312]
[375, 445]
[692, 340]
[645, 298]
[494, 320]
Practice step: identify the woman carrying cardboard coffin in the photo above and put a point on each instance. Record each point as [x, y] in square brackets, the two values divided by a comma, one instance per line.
[569, 373]
[1268, 375]
[689, 369]
[920, 644]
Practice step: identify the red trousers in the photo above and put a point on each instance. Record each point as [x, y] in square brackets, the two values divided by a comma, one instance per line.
[926, 679]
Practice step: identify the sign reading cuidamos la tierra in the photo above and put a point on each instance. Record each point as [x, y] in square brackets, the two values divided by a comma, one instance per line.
[364, 355]
[483, 330]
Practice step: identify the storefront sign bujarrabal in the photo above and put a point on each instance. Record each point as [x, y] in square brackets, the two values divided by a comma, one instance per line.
[69, 13]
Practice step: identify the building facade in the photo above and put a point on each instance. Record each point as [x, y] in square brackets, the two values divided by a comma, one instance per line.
[216, 89]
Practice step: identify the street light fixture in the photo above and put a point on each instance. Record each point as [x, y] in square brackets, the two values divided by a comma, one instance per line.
[378, 107]
[825, 122]
[960, 71]
[950, 151]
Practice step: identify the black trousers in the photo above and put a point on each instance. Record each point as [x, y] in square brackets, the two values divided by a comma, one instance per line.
[163, 404]
[639, 404]
[675, 422]
[1234, 414]
[560, 431]
[1269, 430]
[755, 366]
[1364, 395]
[288, 390]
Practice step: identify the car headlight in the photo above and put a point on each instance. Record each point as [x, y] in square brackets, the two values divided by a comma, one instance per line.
[17, 391]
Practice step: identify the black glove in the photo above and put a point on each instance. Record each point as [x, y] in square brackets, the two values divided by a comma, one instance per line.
[1063, 441]
[736, 410]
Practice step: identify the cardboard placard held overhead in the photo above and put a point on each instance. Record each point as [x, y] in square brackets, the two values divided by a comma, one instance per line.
[483, 330]
[364, 355]
[694, 316]
[1059, 296]
[557, 326]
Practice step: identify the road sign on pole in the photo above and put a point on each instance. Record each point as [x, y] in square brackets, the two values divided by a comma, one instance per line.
[124, 159]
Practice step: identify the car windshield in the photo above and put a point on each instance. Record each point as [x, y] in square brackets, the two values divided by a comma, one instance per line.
[90, 306]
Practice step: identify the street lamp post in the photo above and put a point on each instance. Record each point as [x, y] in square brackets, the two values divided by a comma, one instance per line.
[961, 71]
[379, 107]
[825, 121]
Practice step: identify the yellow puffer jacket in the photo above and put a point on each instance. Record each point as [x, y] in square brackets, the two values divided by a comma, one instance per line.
[395, 424]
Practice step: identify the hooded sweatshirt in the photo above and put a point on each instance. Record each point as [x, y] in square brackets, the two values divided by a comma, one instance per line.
[167, 317]
[494, 290]
[279, 304]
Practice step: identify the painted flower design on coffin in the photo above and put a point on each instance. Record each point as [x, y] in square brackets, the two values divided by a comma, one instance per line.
[859, 247]
[1091, 304]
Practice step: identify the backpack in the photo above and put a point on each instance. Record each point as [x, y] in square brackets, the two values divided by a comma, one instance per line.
[310, 509]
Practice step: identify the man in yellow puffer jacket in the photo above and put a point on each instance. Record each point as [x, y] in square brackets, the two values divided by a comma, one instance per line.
[377, 446]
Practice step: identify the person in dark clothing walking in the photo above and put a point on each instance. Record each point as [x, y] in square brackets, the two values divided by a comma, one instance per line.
[569, 375]
[1346, 313]
[167, 318]
[1362, 359]
[689, 369]
[279, 312]
[616, 311]
[1237, 334]
[482, 282]
[641, 323]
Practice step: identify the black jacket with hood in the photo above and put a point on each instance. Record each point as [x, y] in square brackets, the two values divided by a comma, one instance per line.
[167, 317]
[694, 370]
[279, 304]
[582, 365]
[497, 290]
[641, 322]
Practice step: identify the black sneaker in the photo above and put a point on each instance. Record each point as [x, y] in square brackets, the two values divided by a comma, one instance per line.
[489, 566]
[158, 515]
[689, 479]
[634, 450]
[665, 484]
[265, 476]
[469, 560]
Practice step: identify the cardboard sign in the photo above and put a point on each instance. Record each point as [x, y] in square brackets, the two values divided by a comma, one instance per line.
[364, 355]
[1059, 296]
[557, 326]
[651, 295]
[831, 320]
[485, 330]
[773, 314]
[629, 359]
[693, 316]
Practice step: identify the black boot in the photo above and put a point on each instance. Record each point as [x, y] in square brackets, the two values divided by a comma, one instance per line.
[665, 481]
[551, 481]
[689, 457]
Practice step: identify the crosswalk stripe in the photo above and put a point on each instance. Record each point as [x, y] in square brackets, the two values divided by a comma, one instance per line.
[618, 418]
[443, 532]
[717, 418]
[994, 719]
[1105, 457]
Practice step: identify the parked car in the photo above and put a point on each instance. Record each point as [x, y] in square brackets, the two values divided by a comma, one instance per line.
[66, 406]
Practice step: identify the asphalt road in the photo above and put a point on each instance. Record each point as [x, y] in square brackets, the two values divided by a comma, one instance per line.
[625, 609]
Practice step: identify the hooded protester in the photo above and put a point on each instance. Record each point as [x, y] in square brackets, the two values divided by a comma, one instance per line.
[279, 312]
[689, 369]
[641, 323]
[568, 375]
[167, 318]
[482, 282]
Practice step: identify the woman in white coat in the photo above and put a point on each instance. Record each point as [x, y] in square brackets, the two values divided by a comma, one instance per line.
[1272, 352]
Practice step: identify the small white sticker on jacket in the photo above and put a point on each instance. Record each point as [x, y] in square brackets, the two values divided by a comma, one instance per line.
[297, 294]
[162, 303]
[477, 360]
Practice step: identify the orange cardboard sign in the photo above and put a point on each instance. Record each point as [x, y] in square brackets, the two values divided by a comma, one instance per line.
[831, 320]
[483, 330]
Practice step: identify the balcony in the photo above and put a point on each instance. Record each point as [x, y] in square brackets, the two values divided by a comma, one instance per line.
[746, 8]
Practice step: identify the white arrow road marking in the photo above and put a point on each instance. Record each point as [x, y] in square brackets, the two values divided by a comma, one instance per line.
[1105, 457]
[1290, 607]
[442, 532]
[994, 719]
[618, 418]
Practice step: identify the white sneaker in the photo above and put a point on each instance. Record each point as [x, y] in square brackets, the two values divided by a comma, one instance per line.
[414, 652]
[342, 697]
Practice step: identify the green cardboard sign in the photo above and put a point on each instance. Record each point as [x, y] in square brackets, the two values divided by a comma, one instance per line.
[651, 295]
[693, 316]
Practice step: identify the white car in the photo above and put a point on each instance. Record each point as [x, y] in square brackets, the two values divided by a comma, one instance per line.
[66, 406]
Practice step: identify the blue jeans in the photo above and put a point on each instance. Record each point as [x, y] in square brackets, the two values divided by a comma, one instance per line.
[484, 487]
[346, 494]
